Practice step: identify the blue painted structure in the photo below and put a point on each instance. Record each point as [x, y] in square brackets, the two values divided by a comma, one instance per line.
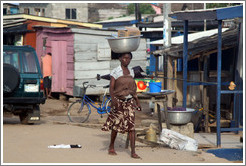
[216, 14]
[185, 61]
[152, 60]
[229, 154]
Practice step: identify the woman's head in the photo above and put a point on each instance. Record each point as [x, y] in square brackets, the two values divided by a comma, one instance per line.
[121, 54]
[125, 58]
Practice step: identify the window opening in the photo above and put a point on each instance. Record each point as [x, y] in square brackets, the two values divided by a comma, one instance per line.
[71, 13]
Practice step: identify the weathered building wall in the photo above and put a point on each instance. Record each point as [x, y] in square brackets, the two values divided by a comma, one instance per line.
[92, 56]
[32, 6]
[103, 11]
[105, 14]
[57, 10]
[58, 41]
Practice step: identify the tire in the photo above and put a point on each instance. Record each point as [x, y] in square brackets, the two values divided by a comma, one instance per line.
[77, 114]
[108, 106]
[23, 118]
[11, 79]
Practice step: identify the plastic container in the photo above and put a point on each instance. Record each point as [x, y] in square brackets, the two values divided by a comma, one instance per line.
[151, 134]
[155, 87]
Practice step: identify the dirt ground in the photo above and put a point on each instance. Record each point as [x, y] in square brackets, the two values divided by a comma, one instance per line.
[29, 143]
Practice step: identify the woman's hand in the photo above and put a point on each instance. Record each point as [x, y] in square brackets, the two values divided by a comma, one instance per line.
[139, 108]
[113, 102]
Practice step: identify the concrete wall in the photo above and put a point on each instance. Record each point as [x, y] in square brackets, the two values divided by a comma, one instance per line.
[57, 10]
[32, 6]
[105, 14]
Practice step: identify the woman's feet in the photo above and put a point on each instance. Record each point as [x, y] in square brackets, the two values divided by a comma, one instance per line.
[135, 156]
[112, 152]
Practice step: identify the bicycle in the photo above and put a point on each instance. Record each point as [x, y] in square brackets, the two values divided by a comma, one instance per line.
[201, 118]
[80, 110]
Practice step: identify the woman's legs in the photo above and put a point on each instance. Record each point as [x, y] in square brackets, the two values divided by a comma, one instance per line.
[132, 142]
[111, 145]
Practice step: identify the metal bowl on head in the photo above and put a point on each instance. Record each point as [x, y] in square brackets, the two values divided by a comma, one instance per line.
[124, 44]
[180, 117]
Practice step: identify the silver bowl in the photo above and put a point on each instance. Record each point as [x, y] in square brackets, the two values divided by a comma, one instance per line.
[180, 117]
[124, 44]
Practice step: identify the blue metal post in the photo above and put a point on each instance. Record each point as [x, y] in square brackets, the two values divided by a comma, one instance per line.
[219, 83]
[185, 61]
[152, 60]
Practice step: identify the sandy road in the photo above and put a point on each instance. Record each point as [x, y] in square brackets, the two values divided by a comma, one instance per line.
[29, 143]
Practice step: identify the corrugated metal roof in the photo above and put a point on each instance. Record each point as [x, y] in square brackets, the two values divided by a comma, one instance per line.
[128, 18]
[51, 20]
[191, 37]
[202, 45]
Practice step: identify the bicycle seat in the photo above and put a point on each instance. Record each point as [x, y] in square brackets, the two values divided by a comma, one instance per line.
[107, 86]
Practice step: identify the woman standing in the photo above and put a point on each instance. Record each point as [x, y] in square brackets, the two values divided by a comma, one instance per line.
[124, 103]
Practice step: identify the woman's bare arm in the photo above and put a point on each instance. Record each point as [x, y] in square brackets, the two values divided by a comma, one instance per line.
[111, 90]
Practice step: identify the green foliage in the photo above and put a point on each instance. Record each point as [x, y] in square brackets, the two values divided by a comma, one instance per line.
[110, 18]
[144, 8]
[220, 5]
[131, 8]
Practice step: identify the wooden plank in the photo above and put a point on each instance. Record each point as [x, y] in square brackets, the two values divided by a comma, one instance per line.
[89, 39]
[223, 123]
[89, 74]
[70, 74]
[103, 52]
[170, 83]
[85, 56]
[88, 65]
[85, 47]
[105, 33]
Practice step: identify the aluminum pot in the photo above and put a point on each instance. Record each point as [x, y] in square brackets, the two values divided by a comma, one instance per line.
[124, 44]
[180, 117]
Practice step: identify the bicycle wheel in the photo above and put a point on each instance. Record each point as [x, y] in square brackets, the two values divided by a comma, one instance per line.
[108, 106]
[77, 114]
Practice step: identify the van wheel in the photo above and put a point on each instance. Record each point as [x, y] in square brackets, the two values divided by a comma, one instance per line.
[24, 118]
[11, 79]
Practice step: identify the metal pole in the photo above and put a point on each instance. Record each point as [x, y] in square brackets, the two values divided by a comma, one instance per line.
[205, 21]
[166, 25]
[185, 61]
[166, 38]
[219, 83]
[136, 11]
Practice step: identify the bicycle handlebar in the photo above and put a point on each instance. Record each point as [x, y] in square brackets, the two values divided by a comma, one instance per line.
[86, 86]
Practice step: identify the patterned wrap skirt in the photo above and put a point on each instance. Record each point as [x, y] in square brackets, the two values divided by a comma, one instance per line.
[122, 117]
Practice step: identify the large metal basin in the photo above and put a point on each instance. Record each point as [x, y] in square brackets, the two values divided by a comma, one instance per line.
[180, 117]
[124, 44]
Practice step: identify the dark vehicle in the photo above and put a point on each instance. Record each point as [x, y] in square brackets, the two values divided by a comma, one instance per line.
[22, 83]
